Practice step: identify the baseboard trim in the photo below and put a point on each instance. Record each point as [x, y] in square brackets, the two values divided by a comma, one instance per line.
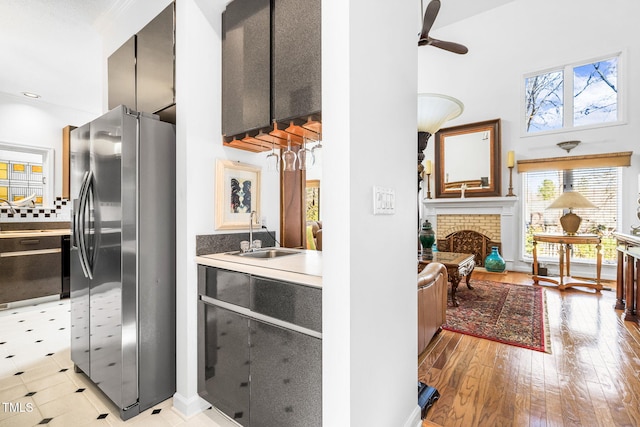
[414, 419]
[188, 407]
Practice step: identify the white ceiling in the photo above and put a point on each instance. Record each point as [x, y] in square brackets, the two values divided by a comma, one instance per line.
[54, 48]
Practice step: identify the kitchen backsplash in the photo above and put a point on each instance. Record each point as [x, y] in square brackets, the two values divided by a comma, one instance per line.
[60, 211]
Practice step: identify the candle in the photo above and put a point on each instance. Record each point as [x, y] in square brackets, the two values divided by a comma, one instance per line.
[510, 159]
[427, 168]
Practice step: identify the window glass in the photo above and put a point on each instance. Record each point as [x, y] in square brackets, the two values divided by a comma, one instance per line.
[595, 93]
[599, 185]
[21, 177]
[544, 101]
[572, 96]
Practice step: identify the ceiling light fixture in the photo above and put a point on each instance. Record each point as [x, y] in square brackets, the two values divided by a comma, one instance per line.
[568, 145]
[31, 95]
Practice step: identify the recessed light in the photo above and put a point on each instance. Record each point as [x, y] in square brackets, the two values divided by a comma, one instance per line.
[31, 95]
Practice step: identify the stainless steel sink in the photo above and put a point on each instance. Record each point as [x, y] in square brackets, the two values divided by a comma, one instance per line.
[266, 253]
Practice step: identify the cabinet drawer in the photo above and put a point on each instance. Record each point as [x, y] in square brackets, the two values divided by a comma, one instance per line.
[224, 285]
[29, 243]
[291, 302]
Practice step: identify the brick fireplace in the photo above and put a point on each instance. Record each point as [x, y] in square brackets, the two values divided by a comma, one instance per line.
[474, 225]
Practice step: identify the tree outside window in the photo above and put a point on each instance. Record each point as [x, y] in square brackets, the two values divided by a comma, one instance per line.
[586, 94]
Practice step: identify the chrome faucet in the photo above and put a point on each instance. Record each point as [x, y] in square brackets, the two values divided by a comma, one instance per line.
[13, 211]
[251, 248]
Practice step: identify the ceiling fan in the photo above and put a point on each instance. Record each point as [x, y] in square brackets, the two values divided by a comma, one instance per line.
[429, 17]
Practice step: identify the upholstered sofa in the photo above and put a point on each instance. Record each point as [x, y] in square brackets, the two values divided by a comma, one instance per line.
[432, 302]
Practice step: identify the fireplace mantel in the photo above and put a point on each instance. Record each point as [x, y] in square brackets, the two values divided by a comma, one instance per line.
[505, 207]
[471, 205]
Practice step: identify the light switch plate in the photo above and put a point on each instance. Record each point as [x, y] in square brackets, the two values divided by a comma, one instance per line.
[384, 201]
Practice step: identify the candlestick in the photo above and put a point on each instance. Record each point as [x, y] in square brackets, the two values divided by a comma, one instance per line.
[428, 179]
[510, 193]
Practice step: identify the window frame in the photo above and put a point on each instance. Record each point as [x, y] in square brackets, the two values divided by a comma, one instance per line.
[523, 218]
[567, 107]
[48, 161]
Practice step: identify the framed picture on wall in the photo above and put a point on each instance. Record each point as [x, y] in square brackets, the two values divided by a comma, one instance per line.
[237, 194]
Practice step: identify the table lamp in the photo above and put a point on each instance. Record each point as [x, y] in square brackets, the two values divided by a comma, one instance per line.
[571, 200]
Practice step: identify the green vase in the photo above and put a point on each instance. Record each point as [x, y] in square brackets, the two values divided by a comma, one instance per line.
[427, 238]
[494, 262]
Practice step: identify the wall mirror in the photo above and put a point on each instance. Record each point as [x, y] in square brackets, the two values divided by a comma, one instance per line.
[468, 157]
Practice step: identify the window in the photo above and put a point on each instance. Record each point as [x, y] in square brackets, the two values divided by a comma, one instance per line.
[576, 95]
[599, 185]
[24, 171]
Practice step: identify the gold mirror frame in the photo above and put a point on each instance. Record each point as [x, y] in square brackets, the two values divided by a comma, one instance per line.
[455, 149]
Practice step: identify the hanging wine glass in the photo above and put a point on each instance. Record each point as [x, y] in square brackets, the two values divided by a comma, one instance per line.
[318, 146]
[289, 157]
[273, 160]
[306, 158]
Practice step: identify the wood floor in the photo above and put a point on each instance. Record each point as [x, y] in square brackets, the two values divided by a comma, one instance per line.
[591, 378]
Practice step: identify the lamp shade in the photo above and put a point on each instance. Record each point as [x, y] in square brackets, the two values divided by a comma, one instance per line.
[435, 109]
[571, 200]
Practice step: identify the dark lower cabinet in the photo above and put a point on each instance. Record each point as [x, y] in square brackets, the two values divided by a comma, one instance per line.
[286, 377]
[30, 267]
[261, 366]
[224, 370]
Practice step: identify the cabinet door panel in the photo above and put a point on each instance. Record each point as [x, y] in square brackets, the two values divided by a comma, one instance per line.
[122, 75]
[224, 285]
[246, 62]
[155, 63]
[286, 377]
[223, 361]
[296, 81]
[293, 303]
[30, 276]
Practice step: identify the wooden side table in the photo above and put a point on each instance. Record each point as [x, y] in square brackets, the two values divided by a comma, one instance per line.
[458, 266]
[565, 241]
[627, 292]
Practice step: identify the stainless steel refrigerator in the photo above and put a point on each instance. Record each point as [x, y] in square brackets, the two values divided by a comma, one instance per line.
[123, 257]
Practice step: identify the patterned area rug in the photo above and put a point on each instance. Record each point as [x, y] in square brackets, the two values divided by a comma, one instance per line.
[503, 312]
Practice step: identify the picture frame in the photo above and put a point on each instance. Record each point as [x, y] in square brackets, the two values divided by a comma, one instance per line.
[237, 194]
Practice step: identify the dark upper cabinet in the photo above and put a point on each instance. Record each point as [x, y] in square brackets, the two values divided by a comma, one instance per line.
[296, 67]
[246, 60]
[122, 75]
[270, 63]
[155, 63]
[142, 71]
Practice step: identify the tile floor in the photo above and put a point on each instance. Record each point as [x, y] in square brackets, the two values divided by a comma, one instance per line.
[38, 385]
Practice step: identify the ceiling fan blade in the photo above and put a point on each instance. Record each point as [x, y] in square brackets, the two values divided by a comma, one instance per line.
[429, 17]
[450, 46]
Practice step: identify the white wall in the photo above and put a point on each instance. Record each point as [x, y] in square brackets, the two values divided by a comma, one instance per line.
[199, 144]
[369, 138]
[36, 123]
[518, 38]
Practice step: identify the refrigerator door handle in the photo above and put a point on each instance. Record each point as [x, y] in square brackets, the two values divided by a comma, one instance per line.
[80, 224]
[74, 223]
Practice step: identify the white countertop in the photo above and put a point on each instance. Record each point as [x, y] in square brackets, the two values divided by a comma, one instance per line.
[11, 234]
[304, 267]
